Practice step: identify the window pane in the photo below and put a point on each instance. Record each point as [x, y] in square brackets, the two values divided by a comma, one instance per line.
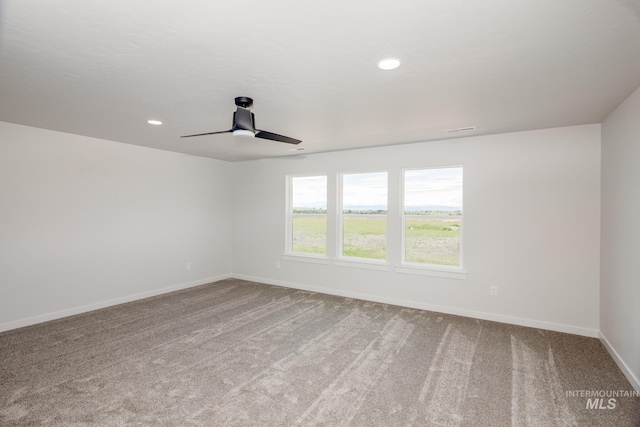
[364, 193]
[435, 194]
[365, 237]
[433, 191]
[432, 241]
[309, 219]
[309, 234]
[309, 193]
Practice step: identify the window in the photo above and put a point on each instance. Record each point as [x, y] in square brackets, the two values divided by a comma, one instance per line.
[364, 215]
[307, 219]
[432, 216]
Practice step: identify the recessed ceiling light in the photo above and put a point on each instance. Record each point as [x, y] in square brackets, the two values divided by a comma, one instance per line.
[388, 64]
[154, 122]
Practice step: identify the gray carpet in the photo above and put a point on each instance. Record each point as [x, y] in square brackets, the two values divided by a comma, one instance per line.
[242, 353]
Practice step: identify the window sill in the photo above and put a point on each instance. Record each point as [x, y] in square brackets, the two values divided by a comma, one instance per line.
[357, 263]
[432, 271]
[378, 265]
[312, 259]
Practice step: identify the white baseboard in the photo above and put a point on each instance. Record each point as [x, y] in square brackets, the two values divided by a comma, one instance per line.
[357, 295]
[623, 366]
[103, 304]
[558, 327]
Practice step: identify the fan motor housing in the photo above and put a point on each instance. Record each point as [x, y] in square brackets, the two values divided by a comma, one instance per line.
[244, 101]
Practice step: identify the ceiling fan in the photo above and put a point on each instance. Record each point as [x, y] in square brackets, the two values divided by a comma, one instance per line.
[244, 125]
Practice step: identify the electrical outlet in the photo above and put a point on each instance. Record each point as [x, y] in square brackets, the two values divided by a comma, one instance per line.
[188, 266]
[277, 264]
[493, 291]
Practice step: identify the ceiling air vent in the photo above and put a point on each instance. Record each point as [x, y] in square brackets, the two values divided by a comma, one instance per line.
[467, 129]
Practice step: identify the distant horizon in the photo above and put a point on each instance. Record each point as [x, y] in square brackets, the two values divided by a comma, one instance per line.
[431, 189]
[384, 207]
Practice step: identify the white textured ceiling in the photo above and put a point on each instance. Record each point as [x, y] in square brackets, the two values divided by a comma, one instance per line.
[102, 68]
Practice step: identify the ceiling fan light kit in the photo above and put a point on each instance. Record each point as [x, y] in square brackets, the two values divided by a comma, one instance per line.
[244, 125]
[243, 133]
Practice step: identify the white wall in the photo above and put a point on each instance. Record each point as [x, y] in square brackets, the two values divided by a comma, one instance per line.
[531, 227]
[619, 284]
[86, 223]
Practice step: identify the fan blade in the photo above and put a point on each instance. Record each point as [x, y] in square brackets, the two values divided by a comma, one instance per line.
[275, 137]
[208, 133]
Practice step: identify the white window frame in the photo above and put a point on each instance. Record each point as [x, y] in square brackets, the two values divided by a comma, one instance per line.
[351, 261]
[289, 254]
[424, 268]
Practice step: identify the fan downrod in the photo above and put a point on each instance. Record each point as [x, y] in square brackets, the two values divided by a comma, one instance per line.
[244, 102]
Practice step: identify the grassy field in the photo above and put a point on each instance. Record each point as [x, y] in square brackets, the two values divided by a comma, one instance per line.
[365, 237]
[431, 241]
[427, 241]
[310, 234]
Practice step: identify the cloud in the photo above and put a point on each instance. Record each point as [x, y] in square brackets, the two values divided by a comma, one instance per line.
[433, 187]
[309, 192]
[424, 187]
[365, 189]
